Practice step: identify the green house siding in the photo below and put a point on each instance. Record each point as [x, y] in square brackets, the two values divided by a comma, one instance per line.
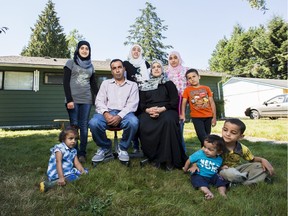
[30, 108]
[25, 107]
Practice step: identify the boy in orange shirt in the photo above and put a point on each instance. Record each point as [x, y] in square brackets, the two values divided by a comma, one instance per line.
[202, 105]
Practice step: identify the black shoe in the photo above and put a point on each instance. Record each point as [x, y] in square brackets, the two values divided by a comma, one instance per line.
[169, 167]
[156, 164]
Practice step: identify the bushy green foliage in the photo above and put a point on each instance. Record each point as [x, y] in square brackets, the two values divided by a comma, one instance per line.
[259, 52]
[47, 38]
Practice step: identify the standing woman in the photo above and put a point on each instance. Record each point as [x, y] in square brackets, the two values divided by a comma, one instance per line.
[137, 70]
[80, 91]
[159, 121]
[176, 73]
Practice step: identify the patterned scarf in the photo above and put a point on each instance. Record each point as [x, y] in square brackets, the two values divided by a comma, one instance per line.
[177, 74]
[153, 82]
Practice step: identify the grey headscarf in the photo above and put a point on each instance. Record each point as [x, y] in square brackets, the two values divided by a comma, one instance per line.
[83, 62]
[153, 82]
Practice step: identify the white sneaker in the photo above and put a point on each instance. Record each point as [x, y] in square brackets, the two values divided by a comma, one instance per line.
[123, 155]
[101, 154]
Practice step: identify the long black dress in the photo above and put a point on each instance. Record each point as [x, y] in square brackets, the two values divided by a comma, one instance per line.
[160, 137]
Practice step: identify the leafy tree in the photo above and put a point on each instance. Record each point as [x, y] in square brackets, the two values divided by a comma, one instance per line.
[278, 43]
[259, 52]
[259, 4]
[3, 29]
[147, 32]
[47, 38]
[73, 38]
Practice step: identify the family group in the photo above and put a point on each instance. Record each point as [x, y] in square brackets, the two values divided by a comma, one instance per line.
[149, 104]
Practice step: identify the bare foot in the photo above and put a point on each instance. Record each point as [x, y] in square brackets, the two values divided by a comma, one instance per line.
[209, 196]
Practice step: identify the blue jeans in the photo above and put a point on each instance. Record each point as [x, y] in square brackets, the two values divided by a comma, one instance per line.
[98, 127]
[79, 117]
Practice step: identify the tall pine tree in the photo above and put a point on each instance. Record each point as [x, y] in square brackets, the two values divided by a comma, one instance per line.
[47, 38]
[147, 32]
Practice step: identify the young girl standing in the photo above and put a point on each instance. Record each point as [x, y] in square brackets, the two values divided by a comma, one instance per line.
[80, 91]
[202, 105]
[63, 163]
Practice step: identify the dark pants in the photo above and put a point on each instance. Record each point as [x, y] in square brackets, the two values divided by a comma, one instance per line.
[202, 127]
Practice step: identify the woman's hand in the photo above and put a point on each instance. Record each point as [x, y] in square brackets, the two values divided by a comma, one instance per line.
[154, 112]
[70, 105]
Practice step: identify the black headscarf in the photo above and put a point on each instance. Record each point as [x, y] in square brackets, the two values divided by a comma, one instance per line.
[79, 60]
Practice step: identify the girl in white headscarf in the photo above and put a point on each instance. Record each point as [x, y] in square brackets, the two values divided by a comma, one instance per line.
[137, 70]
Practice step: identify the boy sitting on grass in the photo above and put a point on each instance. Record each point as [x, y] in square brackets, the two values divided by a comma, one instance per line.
[249, 173]
[208, 163]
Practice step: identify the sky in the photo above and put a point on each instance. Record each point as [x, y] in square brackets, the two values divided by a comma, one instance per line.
[194, 27]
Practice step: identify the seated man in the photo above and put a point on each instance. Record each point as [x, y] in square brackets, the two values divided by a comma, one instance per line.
[116, 102]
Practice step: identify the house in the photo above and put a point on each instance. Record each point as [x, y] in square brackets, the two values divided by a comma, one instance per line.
[32, 95]
[241, 93]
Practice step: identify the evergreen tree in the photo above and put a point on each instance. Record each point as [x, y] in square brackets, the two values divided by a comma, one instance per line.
[147, 32]
[73, 38]
[259, 52]
[47, 38]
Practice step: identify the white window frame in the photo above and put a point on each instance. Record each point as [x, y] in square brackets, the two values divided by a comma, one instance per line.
[1, 79]
[19, 80]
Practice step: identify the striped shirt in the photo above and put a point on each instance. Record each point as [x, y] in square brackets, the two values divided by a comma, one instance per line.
[68, 156]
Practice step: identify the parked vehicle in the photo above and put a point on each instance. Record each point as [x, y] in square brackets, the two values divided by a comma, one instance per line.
[276, 107]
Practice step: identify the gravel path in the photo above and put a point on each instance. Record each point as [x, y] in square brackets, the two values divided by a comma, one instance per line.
[257, 139]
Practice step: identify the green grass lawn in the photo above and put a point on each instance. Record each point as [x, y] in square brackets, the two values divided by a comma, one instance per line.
[113, 189]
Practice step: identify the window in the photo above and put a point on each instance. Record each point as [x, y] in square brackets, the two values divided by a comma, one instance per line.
[276, 100]
[13, 80]
[99, 80]
[53, 78]
[18, 80]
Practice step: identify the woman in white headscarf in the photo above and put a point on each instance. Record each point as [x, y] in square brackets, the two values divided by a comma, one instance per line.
[137, 70]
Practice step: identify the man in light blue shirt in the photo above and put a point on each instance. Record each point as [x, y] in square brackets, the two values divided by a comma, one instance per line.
[116, 102]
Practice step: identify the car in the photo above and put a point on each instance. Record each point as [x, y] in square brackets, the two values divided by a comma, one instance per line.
[276, 107]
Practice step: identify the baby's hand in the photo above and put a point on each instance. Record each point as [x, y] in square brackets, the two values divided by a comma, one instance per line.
[61, 181]
[193, 169]
[84, 171]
